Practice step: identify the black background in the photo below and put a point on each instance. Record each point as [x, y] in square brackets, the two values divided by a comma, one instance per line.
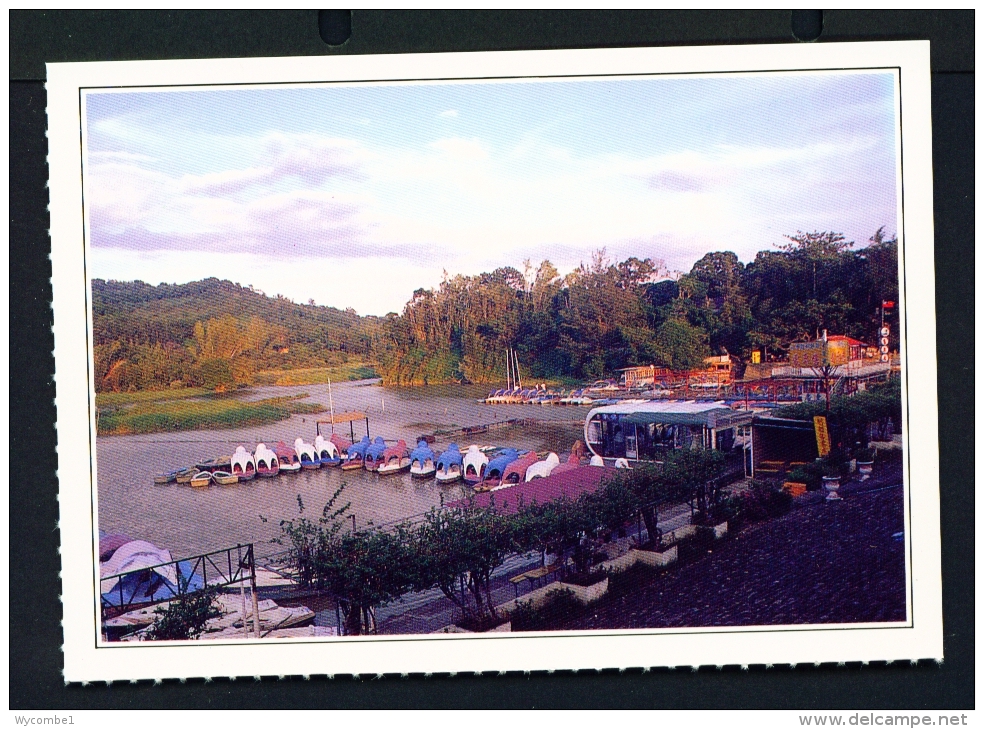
[37, 37]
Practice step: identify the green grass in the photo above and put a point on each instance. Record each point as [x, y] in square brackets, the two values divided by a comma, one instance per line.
[316, 375]
[121, 399]
[182, 414]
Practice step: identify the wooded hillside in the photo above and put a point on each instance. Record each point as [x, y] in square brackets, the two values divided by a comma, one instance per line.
[602, 316]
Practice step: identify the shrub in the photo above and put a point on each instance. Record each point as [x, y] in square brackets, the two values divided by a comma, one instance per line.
[626, 581]
[185, 618]
[763, 501]
[559, 606]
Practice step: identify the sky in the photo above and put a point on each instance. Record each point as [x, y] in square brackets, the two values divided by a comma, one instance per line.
[355, 196]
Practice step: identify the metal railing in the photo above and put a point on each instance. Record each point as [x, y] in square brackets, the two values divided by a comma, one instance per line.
[147, 586]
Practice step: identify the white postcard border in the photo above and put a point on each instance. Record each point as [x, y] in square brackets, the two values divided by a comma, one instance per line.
[87, 660]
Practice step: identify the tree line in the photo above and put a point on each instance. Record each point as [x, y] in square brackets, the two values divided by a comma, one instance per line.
[599, 318]
[606, 315]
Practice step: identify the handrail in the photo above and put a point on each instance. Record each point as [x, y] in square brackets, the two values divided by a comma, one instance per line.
[240, 569]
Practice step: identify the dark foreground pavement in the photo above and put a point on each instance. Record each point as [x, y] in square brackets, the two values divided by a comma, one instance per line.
[821, 563]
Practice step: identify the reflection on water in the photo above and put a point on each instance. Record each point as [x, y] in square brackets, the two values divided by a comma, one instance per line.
[189, 521]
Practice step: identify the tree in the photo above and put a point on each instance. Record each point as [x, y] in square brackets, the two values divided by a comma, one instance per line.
[680, 345]
[361, 568]
[457, 550]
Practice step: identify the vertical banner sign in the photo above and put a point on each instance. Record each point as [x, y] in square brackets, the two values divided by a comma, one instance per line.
[823, 435]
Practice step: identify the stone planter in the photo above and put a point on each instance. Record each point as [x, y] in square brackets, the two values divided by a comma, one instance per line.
[831, 484]
[586, 595]
[865, 468]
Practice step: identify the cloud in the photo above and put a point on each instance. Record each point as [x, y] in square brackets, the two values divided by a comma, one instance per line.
[449, 114]
[675, 182]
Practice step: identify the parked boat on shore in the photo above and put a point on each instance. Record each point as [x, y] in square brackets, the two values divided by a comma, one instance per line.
[448, 466]
[162, 479]
[267, 463]
[394, 459]
[287, 456]
[422, 461]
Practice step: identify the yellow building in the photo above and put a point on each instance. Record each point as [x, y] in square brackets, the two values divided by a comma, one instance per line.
[834, 350]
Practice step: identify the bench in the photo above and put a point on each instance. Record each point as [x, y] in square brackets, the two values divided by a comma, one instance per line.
[532, 575]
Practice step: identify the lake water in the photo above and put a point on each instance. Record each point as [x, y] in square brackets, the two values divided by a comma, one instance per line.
[190, 521]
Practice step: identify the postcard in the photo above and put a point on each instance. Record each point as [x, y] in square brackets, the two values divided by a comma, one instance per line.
[495, 361]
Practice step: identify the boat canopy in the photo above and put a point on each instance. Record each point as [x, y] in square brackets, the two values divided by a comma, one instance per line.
[422, 453]
[399, 450]
[377, 448]
[706, 414]
[450, 457]
[498, 464]
[358, 450]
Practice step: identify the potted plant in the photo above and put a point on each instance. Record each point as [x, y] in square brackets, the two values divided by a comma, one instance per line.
[831, 476]
[866, 462]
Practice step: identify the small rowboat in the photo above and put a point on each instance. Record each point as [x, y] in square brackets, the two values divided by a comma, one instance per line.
[201, 479]
[162, 479]
[207, 464]
[267, 463]
[185, 475]
[287, 456]
[449, 465]
[225, 478]
[394, 459]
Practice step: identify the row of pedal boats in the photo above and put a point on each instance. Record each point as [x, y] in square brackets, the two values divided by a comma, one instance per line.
[485, 468]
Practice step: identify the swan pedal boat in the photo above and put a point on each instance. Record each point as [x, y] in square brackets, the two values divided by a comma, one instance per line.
[287, 457]
[327, 452]
[355, 454]
[422, 461]
[496, 468]
[374, 454]
[267, 463]
[448, 466]
[306, 454]
[473, 466]
[394, 459]
[243, 464]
